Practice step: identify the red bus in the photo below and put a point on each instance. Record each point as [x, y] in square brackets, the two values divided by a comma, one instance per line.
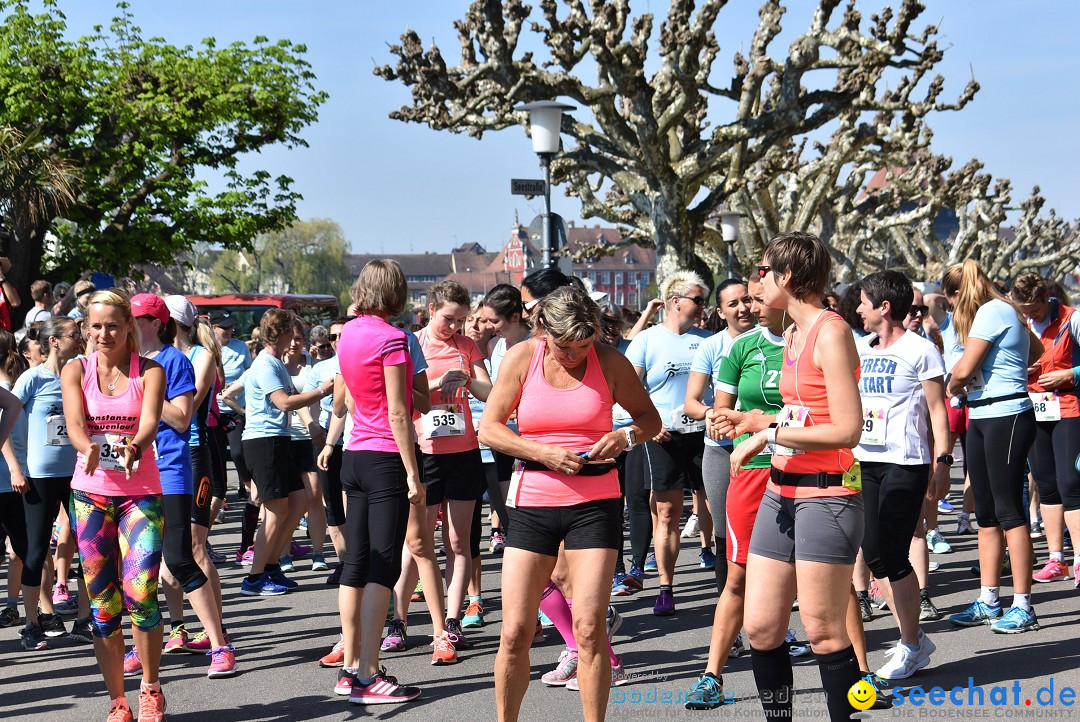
[248, 308]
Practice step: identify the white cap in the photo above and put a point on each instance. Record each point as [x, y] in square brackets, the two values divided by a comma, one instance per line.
[181, 309]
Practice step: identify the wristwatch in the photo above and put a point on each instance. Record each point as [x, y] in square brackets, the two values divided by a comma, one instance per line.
[946, 459]
[770, 433]
[631, 437]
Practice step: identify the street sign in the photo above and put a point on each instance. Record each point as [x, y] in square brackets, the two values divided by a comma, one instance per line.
[558, 231]
[526, 187]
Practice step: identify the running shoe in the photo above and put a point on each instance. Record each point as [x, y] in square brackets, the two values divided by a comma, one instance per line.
[221, 515]
[453, 628]
[200, 643]
[1055, 570]
[498, 543]
[246, 558]
[944, 507]
[933, 567]
[1016, 621]
[132, 663]
[345, 683]
[544, 621]
[927, 611]
[281, 580]
[222, 663]
[120, 713]
[538, 635]
[876, 597]
[60, 593]
[81, 631]
[707, 559]
[264, 586]
[865, 608]
[443, 649]
[881, 701]
[215, 556]
[619, 587]
[963, 526]
[1036, 530]
[795, 647]
[692, 528]
[738, 647]
[635, 578]
[474, 615]
[396, 640]
[318, 563]
[9, 617]
[618, 677]
[976, 613]
[902, 661]
[1006, 566]
[706, 693]
[285, 562]
[33, 638]
[53, 625]
[151, 705]
[384, 689]
[795, 605]
[302, 523]
[650, 563]
[418, 592]
[614, 621]
[298, 550]
[178, 639]
[665, 604]
[936, 543]
[564, 671]
[336, 657]
[1076, 575]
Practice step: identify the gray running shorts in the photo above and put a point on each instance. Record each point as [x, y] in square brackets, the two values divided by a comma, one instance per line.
[826, 529]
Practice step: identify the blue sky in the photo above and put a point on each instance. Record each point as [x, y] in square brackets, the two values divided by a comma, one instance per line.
[395, 187]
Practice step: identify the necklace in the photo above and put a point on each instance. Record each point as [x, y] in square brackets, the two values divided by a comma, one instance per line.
[112, 386]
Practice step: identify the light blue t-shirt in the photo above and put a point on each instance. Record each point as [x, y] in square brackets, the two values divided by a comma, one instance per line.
[666, 358]
[1004, 368]
[235, 359]
[262, 419]
[321, 373]
[707, 361]
[476, 406]
[18, 443]
[49, 452]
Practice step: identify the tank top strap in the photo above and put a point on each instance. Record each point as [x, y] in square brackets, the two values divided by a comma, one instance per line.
[594, 376]
[536, 363]
[135, 369]
[89, 366]
[811, 336]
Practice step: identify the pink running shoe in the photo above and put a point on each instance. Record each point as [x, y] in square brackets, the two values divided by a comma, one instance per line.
[222, 663]
[336, 657]
[132, 663]
[178, 640]
[299, 551]
[384, 689]
[199, 644]
[345, 683]
[1053, 571]
[60, 594]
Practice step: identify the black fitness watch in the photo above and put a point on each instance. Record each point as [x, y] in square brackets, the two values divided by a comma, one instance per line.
[946, 459]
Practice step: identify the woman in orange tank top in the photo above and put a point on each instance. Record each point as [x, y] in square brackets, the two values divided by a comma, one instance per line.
[810, 523]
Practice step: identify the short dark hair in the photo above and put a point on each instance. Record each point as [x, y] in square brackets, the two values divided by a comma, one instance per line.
[543, 282]
[726, 284]
[504, 300]
[891, 286]
[806, 257]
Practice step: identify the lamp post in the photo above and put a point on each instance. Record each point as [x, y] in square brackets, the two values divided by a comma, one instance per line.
[729, 226]
[545, 123]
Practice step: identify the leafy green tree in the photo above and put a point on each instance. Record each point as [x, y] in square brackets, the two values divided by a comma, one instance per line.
[146, 123]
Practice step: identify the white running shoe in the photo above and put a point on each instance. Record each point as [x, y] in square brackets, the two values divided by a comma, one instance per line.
[691, 529]
[903, 662]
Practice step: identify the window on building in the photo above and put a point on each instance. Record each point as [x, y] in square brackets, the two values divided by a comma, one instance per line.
[618, 278]
[620, 299]
[605, 278]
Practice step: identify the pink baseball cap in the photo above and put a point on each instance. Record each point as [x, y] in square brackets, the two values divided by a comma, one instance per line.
[147, 304]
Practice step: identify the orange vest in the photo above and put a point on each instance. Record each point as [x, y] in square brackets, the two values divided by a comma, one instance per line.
[1059, 353]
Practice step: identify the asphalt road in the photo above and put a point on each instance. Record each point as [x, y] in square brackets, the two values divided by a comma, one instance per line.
[280, 639]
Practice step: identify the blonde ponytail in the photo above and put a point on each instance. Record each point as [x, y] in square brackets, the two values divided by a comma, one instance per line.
[973, 289]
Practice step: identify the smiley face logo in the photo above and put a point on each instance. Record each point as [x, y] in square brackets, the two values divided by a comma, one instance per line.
[862, 695]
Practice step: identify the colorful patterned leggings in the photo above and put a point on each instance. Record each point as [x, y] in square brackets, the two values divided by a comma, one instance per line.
[120, 545]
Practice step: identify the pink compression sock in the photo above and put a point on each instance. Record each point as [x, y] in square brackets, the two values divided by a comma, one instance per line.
[564, 623]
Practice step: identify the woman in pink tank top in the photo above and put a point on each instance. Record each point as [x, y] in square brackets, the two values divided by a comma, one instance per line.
[112, 405]
[810, 523]
[564, 493]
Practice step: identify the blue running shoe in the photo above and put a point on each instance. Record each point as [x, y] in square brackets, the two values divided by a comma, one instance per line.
[978, 612]
[283, 581]
[650, 563]
[707, 693]
[635, 578]
[545, 622]
[264, 586]
[1016, 621]
[619, 587]
[708, 559]
[944, 507]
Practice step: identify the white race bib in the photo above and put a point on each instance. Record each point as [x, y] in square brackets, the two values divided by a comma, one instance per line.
[873, 426]
[977, 383]
[443, 420]
[683, 424]
[1047, 406]
[111, 456]
[56, 431]
[476, 430]
[790, 417]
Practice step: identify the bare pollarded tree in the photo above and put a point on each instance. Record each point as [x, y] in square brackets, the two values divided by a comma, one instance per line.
[660, 152]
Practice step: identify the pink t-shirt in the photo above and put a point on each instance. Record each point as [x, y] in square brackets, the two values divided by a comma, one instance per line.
[573, 418]
[367, 345]
[459, 352]
[112, 421]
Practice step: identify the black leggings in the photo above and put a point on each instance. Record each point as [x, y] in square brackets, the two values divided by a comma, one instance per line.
[236, 451]
[218, 471]
[892, 497]
[1053, 462]
[41, 503]
[176, 542]
[330, 481]
[637, 504]
[997, 452]
[13, 523]
[376, 517]
[476, 530]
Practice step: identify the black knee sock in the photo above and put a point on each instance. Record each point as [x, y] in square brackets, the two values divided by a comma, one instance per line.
[721, 565]
[839, 670]
[248, 525]
[774, 678]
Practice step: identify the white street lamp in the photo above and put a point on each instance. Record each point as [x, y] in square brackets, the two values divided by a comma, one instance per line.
[545, 123]
[729, 227]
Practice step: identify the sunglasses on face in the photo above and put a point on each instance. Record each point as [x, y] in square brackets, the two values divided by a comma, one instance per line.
[918, 310]
[763, 271]
[335, 336]
[325, 347]
[530, 305]
[698, 300]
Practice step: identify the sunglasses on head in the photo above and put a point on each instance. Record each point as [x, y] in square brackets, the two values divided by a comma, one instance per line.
[918, 310]
[698, 300]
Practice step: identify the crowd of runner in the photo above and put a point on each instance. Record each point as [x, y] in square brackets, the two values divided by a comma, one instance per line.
[811, 433]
